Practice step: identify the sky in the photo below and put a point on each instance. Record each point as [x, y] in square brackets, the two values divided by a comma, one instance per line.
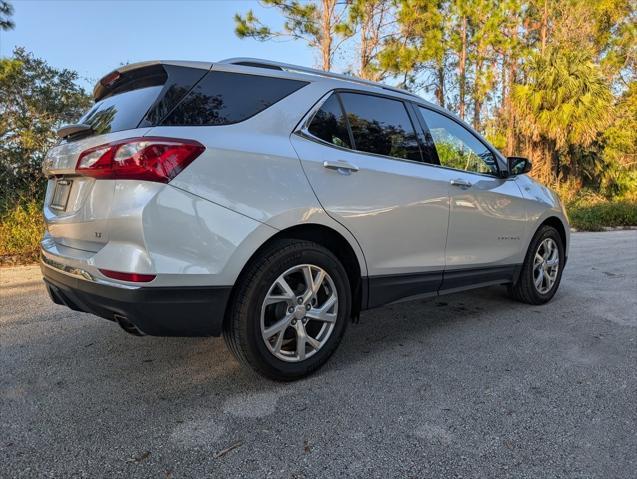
[95, 36]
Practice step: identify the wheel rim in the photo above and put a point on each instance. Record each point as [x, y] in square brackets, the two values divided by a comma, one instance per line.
[546, 265]
[299, 313]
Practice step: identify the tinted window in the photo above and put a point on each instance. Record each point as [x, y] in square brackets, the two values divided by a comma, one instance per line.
[179, 83]
[222, 98]
[457, 147]
[329, 123]
[123, 111]
[380, 125]
[141, 97]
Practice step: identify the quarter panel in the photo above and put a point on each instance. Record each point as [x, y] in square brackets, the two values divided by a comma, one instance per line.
[192, 241]
[251, 167]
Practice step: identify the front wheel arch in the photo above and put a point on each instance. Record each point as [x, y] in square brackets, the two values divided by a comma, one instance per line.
[523, 288]
[556, 223]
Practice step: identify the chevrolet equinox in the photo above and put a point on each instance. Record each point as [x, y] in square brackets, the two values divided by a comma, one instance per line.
[270, 203]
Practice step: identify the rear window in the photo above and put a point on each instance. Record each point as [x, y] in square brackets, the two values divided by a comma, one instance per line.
[123, 111]
[141, 98]
[223, 98]
[179, 96]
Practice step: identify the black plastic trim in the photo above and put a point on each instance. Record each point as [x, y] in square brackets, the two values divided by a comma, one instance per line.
[156, 311]
[389, 288]
[461, 278]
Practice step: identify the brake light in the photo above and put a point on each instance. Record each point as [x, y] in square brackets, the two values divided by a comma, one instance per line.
[149, 159]
[133, 277]
[110, 79]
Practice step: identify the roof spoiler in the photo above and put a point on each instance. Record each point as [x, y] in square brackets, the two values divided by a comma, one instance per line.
[107, 81]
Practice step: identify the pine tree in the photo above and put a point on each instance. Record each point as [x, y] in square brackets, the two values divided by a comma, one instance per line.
[6, 12]
[316, 23]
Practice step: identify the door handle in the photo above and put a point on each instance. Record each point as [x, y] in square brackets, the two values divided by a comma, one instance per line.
[340, 166]
[461, 183]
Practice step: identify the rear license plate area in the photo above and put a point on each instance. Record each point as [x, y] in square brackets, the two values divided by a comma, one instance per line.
[61, 194]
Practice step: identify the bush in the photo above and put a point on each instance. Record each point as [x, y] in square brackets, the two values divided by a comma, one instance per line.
[21, 229]
[596, 216]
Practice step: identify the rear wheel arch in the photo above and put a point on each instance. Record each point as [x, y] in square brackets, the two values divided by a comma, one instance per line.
[328, 238]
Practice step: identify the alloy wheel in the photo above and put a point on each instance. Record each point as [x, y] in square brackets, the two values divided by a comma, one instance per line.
[299, 312]
[546, 265]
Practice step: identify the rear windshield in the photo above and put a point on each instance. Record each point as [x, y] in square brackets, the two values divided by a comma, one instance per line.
[121, 112]
[179, 96]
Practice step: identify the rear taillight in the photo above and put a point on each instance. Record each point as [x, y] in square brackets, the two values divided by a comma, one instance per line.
[133, 277]
[149, 159]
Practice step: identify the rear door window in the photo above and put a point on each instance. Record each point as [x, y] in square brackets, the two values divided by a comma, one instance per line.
[329, 123]
[224, 98]
[381, 125]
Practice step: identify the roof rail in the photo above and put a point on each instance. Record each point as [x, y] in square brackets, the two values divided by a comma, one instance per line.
[258, 63]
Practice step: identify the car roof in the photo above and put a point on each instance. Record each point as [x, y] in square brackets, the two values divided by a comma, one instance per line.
[279, 69]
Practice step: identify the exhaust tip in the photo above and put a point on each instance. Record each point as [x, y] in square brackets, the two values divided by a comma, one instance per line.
[127, 326]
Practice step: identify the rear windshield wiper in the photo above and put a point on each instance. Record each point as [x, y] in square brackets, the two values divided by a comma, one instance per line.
[73, 129]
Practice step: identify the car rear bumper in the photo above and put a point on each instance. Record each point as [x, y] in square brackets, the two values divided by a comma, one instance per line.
[156, 311]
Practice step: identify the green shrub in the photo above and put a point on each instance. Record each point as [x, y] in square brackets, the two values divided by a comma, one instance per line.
[21, 229]
[596, 216]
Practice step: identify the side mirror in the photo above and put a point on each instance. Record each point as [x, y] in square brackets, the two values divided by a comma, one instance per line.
[518, 165]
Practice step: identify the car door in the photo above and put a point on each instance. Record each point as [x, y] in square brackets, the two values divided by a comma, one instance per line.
[487, 212]
[363, 159]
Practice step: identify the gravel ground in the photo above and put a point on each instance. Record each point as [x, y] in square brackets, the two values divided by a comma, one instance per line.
[468, 385]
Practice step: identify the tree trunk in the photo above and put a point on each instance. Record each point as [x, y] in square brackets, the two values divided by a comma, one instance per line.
[551, 162]
[477, 107]
[327, 13]
[462, 65]
[510, 115]
[477, 95]
[440, 86]
[511, 74]
[544, 26]
[365, 48]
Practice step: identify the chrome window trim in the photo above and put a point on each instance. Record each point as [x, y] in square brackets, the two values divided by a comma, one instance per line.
[303, 131]
[308, 136]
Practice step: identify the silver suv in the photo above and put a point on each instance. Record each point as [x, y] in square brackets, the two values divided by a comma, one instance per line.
[271, 203]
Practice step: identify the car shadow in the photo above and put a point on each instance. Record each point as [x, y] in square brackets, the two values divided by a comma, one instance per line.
[81, 347]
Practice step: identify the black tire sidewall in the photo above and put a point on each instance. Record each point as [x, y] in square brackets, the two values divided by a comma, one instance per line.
[544, 233]
[291, 255]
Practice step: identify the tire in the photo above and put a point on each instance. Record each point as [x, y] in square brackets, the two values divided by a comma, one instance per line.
[525, 290]
[251, 317]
